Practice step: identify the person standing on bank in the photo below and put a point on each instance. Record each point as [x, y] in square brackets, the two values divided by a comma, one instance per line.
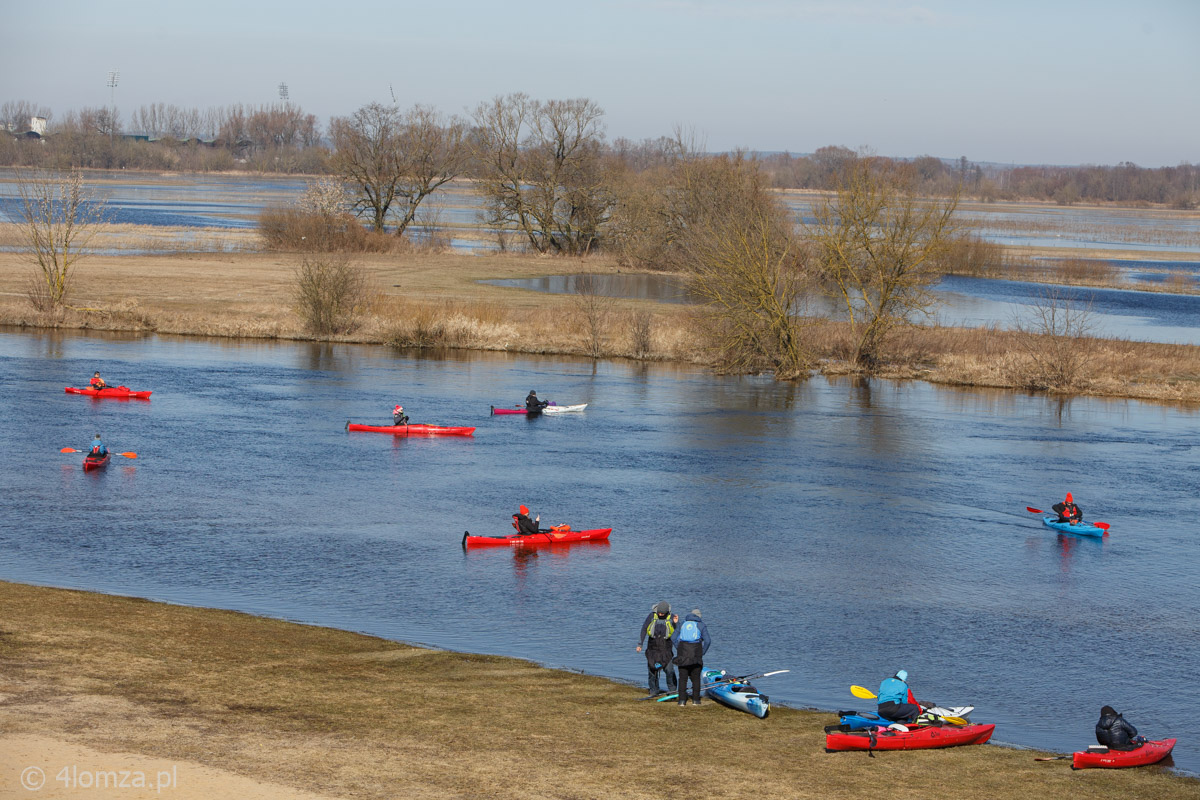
[657, 630]
[691, 642]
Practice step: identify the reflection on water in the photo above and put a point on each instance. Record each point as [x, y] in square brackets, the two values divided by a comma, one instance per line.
[962, 301]
[864, 524]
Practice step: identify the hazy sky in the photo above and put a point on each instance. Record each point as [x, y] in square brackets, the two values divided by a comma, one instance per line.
[1023, 81]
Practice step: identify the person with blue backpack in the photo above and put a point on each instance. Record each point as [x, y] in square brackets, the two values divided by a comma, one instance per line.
[691, 642]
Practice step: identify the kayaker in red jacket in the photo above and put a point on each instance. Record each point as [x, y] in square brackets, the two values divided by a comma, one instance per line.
[1067, 511]
[97, 381]
[526, 526]
[398, 416]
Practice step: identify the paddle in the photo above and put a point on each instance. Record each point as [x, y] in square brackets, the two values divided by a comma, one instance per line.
[731, 679]
[1054, 758]
[1104, 526]
[867, 694]
[110, 452]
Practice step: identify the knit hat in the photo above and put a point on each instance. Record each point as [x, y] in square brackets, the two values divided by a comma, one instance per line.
[696, 611]
[663, 608]
[524, 510]
[1069, 498]
[902, 675]
[97, 436]
[399, 408]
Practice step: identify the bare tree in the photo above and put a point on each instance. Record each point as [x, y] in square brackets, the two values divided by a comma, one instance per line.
[58, 220]
[396, 160]
[879, 247]
[543, 170]
[331, 291]
[15, 115]
[596, 308]
[1056, 335]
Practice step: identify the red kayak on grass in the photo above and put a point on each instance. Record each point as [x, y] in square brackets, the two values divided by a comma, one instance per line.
[91, 462]
[921, 738]
[1148, 753]
[412, 430]
[116, 392]
[560, 535]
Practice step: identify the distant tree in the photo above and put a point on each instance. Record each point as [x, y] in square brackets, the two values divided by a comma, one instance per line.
[542, 170]
[16, 114]
[879, 247]
[396, 159]
[58, 220]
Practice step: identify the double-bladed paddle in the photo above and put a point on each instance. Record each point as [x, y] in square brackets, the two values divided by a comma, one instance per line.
[730, 679]
[110, 452]
[1104, 526]
[867, 694]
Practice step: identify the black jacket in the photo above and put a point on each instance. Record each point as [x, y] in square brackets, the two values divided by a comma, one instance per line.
[658, 649]
[525, 525]
[533, 404]
[1114, 731]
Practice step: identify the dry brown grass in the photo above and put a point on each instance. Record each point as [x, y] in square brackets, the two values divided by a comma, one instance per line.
[435, 300]
[351, 715]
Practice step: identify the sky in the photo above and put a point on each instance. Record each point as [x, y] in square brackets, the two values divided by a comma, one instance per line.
[1009, 81]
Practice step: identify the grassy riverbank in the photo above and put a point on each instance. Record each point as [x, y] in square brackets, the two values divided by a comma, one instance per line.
[434, 300]
[345, 715]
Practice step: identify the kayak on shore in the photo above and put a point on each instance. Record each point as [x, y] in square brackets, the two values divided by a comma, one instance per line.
[537, 539]
[1106, 758]
[116, 392]
[736, 694]
[91, 462]
[924, 737]
[412, 430]
[1079, 528]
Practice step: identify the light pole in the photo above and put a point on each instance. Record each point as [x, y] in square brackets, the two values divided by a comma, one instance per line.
[113, 77]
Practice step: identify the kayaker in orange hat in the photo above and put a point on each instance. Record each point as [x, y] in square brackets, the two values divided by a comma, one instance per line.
[524, 524]
[1067, 511]
[398, 416]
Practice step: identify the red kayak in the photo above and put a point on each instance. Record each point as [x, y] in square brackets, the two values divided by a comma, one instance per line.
[92, 462]
[412, 430]
[537, 539]
[120, 392]
[1149, 753]
[922, 738]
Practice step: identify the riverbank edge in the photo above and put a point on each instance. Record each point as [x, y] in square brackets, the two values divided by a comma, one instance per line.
[336, 712]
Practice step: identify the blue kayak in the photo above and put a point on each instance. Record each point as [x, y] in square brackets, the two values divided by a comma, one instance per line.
[737, 694]
[1080, 529]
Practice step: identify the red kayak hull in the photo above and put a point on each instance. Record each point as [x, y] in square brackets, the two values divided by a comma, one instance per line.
[537, 539]
[1149, 753]
[95, 463]
[922, 738]
[116, 392]
[412, 430]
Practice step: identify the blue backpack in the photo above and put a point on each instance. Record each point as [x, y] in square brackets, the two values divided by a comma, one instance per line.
[689, 631]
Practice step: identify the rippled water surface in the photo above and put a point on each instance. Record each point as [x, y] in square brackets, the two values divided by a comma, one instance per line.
[838, 530]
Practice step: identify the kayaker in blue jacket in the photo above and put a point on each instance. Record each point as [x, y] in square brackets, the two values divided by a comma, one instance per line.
[1067, 511]
[656, 632]
[398, 416]
[98, 448]
[532, 404]
[691, 643]
[1115, 732]
[896, 701]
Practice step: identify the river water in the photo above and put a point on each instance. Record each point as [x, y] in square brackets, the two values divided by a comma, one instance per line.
[842, 530]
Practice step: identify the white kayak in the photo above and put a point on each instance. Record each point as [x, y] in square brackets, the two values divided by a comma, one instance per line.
[563, 409]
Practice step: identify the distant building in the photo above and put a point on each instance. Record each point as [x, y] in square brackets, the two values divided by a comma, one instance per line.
[38, 125]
